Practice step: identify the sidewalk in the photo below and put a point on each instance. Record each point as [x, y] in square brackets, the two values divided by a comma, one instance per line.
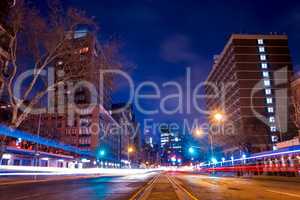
[275, 178]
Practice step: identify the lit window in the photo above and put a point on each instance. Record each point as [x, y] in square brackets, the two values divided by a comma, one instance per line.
[274, 138]
[270, 109]
[261, 49]
[268, 91]
[260, 41]
[263, 57]
[60, 62]
[264, 65]
[273, 129]
[269, 100]
[267, 82]
[271, 119]
[83, 50]
[265, 74]
[80, 33]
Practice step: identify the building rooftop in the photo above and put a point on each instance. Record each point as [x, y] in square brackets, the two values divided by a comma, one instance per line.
[244, 36]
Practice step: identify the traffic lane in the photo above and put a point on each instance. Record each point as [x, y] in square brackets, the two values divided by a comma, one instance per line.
[89, 189]
[207, 188]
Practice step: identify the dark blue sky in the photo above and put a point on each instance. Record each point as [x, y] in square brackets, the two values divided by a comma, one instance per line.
[162, 37]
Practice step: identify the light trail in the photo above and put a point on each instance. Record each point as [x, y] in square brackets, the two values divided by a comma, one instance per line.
[29, 170]
[258, 156]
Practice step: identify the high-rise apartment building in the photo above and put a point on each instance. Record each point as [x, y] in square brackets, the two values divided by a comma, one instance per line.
[249, 83]
[86, 128]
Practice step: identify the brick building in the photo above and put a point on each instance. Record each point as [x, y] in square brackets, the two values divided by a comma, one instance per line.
[252, 74]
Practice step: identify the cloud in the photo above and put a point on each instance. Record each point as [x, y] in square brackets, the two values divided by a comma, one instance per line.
[297, 69]
[178, 49]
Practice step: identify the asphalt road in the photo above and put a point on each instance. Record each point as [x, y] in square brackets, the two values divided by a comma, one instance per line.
[164, 186]
[221, 188]
[88, 189]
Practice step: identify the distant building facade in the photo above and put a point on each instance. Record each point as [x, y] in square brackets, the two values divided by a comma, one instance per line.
[171, 144]
[253, 75]
[129, 135]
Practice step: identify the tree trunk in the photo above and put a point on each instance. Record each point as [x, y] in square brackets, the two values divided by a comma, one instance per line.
[2, 147]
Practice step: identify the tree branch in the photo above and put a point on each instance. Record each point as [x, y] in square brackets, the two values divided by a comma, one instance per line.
[2, 85]
[13, 54]
[37, 70]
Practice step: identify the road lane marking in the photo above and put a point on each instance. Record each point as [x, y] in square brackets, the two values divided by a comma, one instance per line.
[285, 193]
[144, 189]
[172, 181]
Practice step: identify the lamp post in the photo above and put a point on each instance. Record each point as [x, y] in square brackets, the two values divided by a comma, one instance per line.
[192, 150]
[217, 118]
[129, 151]
[36, 154]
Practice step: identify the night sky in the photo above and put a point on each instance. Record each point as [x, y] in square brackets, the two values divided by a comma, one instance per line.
[162, 38]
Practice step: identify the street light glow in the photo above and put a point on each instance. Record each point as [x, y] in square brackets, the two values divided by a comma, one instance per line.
[214, 161]
[102, 153]
[198, 132]
[191, 150]
[173, 159]
[218, 116]
[130, 149]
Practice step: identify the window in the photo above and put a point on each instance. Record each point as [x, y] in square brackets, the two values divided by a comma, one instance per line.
[272, 119]
[261, 49]
[260, 41]
[273, 129]
[274, 138]
[263, 57]
[4, 161]
[265, 74]
[269, 100]
[270, 109]
[267, 83]
[83, 50]
[80, 34]
[268, 91]
[264, 65]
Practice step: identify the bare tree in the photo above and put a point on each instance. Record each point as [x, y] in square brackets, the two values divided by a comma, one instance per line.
[1, 85]
[38, 41]
[296, 109]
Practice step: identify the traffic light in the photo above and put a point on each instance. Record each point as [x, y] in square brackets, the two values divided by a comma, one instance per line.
[102, 153]
[191, 150]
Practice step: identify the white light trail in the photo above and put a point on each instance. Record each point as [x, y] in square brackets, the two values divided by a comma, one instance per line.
[30, 170]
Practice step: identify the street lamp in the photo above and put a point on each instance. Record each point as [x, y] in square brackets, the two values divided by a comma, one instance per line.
[198, 132]
[214, 160]
[129, 151]
[217, 117]
[223, 160]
